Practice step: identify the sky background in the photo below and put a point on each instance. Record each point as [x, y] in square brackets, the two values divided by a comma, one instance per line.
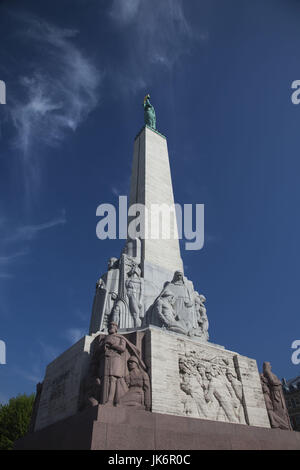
[219, 74]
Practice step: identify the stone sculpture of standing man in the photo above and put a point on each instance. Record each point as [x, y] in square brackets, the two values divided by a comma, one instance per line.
[112, 365]
[149, 113]
[274, 398]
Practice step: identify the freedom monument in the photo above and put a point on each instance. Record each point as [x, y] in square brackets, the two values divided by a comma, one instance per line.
[146, 375]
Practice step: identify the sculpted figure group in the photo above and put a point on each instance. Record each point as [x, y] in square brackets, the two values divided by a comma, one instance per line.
[117, 374]
[211, 389]
[181, 309]
[120, 298]
[119, 292]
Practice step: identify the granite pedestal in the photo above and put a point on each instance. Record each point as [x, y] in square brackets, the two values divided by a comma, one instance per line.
[116, 428]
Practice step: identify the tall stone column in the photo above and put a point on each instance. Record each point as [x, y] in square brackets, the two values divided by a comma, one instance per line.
[151, 185]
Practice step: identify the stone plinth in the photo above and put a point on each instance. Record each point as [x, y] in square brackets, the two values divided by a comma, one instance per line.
[189, 378]
[107, 428]
[61, 387]
[185, 394]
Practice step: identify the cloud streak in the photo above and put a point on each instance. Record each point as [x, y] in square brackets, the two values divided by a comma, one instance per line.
[58, 93]
[34, 376]
[20, 236]
[29, 232]
[7, 259]
[160, 32]
[49, 352]
[75, 334]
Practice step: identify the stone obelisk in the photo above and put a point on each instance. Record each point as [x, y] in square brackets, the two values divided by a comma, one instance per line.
[151, 186]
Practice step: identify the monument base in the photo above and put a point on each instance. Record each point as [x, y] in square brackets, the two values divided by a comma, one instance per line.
[116, 428]
[178, 368]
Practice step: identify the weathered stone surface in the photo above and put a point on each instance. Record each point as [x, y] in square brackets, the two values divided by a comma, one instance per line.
[117, 374]
[151, 183]
[274, 399]
[77, 379]
[108, 428]
[179, 308]
[107, 288]
[232, 394]
[61, 387]
[256, 409]
[195, 394]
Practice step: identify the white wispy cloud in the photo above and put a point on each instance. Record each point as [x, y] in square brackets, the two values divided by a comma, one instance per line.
[7, 259]
[59, 92]
[12, 238]
[124, 12]
[31, 376]
[116, 191]
[123, 186]
[4, 275]
[49, 352]
[75, 334]
[160, 32]
[82, 315]
[29, 232]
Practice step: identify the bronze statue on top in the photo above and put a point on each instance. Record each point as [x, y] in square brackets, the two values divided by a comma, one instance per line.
[149, 113]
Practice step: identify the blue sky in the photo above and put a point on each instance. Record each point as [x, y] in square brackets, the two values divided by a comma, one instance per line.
[219, 74]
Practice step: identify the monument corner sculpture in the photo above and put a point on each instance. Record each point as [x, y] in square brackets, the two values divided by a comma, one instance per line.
[117, 375]
[274, 399]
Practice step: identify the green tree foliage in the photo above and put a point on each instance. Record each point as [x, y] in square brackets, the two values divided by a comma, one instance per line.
[15, 419]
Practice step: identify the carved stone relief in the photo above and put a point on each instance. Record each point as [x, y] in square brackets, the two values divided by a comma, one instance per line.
[201, 329]
[210, 387]
[180, 309]
[119, 292]
[164, 310]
